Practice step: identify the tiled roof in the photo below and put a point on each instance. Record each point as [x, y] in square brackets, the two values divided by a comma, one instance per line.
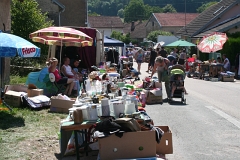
[174, 19]
[206, 17]
[139, 30]
[105, 22]
[222, 27]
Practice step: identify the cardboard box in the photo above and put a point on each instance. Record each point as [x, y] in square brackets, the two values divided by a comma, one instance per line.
[153, 96]
[130, 145]
[166, 145]
[17, 88]
[60, 105]
[13, 98]
[13, 94]
[34, 92]
[228, 79]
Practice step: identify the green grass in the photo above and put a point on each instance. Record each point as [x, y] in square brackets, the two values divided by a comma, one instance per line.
[28, 134]
[24, 132]
[17, 80]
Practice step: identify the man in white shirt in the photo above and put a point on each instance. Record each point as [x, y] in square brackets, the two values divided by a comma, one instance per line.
[226, 63]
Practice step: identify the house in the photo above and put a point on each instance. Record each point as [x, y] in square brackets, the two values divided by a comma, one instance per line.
[221, 17]
[106, 24]
[137, 30]
[5, 26]
[170, 22]
[65, 12]
[5, 16]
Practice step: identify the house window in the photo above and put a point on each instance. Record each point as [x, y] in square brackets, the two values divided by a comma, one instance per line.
[152, 23]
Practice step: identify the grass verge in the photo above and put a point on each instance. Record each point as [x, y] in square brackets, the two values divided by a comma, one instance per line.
[27, 134]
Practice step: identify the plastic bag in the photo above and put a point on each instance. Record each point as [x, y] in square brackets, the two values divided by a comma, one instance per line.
[71, 147]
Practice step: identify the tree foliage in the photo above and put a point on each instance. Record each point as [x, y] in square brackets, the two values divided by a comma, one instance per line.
[26, 18]
[152, 36]
[205, 6]
[119, 36]
[135, 11]
[169, 8]
[115, 5]
[231, 48]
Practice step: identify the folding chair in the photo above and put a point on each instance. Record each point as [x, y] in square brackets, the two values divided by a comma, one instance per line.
[60, 87]
[49, 80]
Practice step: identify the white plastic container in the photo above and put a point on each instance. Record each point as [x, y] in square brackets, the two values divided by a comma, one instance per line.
[89, 112]
[118, 107]
[130, 108]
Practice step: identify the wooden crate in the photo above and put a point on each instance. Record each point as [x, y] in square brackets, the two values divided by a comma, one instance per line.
[228, 79]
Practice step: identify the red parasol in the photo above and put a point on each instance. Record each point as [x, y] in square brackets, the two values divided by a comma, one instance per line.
[212, 42]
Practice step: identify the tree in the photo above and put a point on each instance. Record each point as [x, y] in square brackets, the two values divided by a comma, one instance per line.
[92, 14]
[205, 6]
[119, 36]
[169, 8]
[134, 11]
[152, 36]
[121, 13]
[26, 18]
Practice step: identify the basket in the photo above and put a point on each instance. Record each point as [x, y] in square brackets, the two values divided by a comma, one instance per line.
[214, 79]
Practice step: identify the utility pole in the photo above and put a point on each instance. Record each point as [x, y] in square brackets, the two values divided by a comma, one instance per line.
[185, 16]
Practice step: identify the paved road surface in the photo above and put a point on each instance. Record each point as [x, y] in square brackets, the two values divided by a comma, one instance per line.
[208, 127]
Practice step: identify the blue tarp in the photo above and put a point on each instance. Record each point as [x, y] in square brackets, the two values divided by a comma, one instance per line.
[111, 42]
[41, 80]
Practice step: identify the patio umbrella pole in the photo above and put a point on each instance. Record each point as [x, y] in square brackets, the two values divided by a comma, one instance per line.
[60, 56]
[48, 57]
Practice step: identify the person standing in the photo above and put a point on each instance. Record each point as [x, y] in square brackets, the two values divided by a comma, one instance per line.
[226, 63]
[139, 58]
[182, 57]
[153, 56]
[127, 53]
[161, 66]
[174, 53]
[163, 53]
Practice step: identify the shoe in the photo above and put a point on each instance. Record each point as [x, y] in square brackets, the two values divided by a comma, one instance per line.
[170, 100]
[147, 71]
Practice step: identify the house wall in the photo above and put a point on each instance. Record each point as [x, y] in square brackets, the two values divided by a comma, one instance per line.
[235, 10]
[234, 30]
[5, 17]
[50, 8]
[152, 25]
[75, 13]
[171, 29]
[108, 31]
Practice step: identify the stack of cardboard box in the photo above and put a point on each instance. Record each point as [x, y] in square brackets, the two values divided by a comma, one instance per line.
[140, 144]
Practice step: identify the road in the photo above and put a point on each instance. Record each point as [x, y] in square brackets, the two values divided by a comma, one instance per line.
[208, 126]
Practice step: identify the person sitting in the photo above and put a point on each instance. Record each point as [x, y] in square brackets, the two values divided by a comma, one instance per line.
[226, 63]
[53, 62]
[178, 84]
[219, 61]
[77, 74]
[67, 71]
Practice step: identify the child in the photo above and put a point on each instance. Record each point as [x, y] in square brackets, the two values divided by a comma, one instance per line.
[178, 84]
[77, 76]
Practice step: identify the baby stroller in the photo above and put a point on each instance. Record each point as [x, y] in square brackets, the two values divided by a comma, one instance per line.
[177, 76]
